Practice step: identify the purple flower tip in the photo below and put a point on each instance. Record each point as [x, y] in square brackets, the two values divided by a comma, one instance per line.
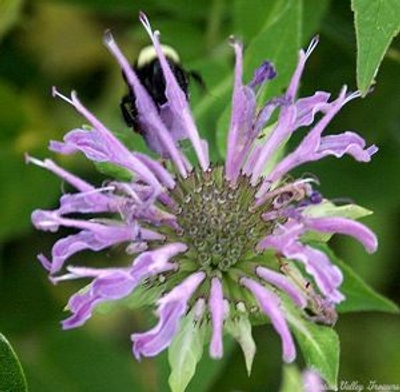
[108, 37]
[44, 261]
[266, 71]
[144, 20]
[313, 44]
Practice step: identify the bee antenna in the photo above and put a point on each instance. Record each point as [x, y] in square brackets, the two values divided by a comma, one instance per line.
[197, 78]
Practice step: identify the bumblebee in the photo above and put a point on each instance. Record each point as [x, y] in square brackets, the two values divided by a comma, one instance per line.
[149, 72]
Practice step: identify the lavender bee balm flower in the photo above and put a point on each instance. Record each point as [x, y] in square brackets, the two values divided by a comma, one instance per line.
[220, 242]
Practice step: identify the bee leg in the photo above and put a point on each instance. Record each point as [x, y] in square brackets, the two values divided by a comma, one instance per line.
[128, 110]
[198, 79]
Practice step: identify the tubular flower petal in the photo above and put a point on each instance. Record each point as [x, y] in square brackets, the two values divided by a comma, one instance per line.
[217, 318]
[270, 304]
[171, 309]
[312, 381]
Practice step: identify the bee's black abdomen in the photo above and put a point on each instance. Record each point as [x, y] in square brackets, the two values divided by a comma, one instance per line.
[152, 78]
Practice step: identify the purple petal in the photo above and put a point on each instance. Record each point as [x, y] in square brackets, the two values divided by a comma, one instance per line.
[176, 97]
[314, 149]
[308, 107]
[66, 247]
[310, 143]
[216, 305]
[158, 169]
[114, 283]
[279, 134]
[346, 143]
[345, 226]
[243, 110]
[50, 220]
[48, 164]
[283, 283]
[109, 285]
[185, 290]
[84, 272]
[286, 120]
[174, 124]
[152, 261]
[199, 308]
[94, 236]
[100, 144]
[283, 236]
[157, 135]
[160, 337]
[88, 202]
[89, 142]
[270, 304]
[46, 220]
[327, 276]
[312, 382]
[171, 309]
[266, 71]
[46, 263]
[264, 115]
[251, 160]
[303, 56]
[100, 149]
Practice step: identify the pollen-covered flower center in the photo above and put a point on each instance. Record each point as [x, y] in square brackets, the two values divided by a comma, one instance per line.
[218, 221]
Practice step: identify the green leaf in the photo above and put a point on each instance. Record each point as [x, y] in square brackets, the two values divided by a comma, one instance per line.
[9, 13]
[377, 23]
[248, 20]
[240, 329]
[209, 370]
[278, 41]
[359, 296]
[279, 152]
[292, 380]
[319, 344]
[144, 296]
[114, 171]
[313, 13]
[327, 208]
[141, 296]
[12, 377]
[185, 352]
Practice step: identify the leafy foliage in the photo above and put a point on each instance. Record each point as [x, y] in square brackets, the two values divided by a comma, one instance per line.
[185, 352]
[12, 378]
[319, 345]
[377, 23]
[359, 295]
[291, 380]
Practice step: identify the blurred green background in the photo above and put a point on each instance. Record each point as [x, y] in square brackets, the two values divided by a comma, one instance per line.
[45, 43]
